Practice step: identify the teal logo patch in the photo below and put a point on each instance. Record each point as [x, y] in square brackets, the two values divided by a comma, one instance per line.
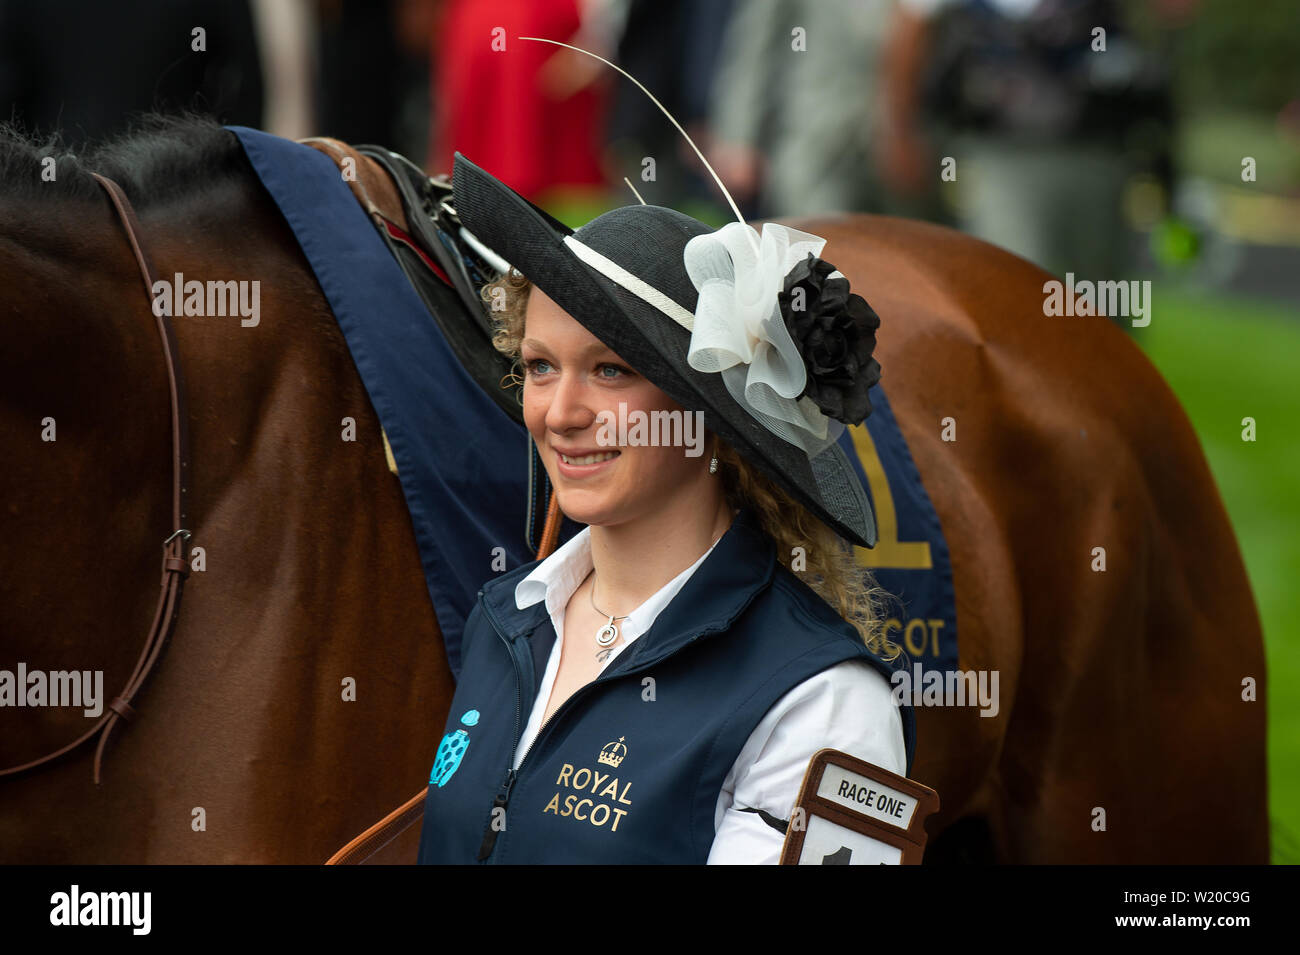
[451, 751]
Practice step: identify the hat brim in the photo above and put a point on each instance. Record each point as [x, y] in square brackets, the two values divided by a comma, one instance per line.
[532, 241]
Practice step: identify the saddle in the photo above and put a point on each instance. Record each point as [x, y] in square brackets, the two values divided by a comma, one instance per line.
[415, 216]
[445, 265]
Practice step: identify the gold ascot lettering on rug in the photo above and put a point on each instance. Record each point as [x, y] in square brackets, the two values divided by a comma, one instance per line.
[596, 795]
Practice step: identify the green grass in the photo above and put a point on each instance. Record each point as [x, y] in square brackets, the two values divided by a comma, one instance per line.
[1229, 359]
[577, 208]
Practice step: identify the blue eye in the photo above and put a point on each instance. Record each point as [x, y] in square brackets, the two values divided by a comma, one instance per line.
[618, 368]
[531, 365]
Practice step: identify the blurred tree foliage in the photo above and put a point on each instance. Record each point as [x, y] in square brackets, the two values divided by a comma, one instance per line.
[1228, 54]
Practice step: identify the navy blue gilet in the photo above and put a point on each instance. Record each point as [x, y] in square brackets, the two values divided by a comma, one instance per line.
[629, 768]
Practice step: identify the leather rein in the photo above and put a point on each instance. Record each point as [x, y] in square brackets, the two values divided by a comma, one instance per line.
[176, 551]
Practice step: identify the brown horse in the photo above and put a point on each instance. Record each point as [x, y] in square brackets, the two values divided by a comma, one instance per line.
[312, 575]
[1120, 690]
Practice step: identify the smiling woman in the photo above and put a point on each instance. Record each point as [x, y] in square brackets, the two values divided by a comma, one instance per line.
[803, 543]
[655, 690]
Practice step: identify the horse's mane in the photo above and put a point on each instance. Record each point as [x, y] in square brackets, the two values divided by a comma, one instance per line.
[159, 159]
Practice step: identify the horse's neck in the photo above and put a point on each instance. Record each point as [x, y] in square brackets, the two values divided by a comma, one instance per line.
[304, 551]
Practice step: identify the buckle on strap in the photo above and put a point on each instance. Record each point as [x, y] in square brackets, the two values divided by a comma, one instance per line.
[180, 564]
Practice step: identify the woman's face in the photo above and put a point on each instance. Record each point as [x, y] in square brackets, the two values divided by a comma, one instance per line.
[570, 378]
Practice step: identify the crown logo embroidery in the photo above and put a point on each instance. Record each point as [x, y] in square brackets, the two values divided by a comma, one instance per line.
[613, 753]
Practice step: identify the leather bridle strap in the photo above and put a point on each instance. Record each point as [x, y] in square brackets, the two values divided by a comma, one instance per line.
[175, 563]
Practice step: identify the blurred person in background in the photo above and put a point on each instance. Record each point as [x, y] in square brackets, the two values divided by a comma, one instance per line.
[672, 47]
[367, 72]
[794, 105]
[85, 66]
[1046, 125]
[531, 112]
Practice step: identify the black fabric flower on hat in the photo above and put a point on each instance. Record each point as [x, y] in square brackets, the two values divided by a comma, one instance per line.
[835, 332]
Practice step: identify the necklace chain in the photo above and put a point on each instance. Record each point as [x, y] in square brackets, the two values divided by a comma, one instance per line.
[607, 634]
[592, 597]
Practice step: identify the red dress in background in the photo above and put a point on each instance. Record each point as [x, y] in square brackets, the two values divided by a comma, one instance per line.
[488, 105]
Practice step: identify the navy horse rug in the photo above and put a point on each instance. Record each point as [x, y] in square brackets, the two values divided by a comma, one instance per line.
[473, 517]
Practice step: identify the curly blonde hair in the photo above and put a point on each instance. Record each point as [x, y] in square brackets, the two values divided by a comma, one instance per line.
[828, 563]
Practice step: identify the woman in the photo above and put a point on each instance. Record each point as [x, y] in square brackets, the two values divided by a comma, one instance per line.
[653, 691]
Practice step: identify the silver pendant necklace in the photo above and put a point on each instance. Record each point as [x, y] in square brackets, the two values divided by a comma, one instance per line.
[607, 634]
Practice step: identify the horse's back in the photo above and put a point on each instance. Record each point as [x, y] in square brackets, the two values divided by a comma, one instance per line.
[1094, 565]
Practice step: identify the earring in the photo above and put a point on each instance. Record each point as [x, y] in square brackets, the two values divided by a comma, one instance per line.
[713, 464]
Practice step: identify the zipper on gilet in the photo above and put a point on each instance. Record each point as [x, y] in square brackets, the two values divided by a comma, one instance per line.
[502, 798]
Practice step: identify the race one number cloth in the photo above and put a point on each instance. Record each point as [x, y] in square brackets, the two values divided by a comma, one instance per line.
[463, 463]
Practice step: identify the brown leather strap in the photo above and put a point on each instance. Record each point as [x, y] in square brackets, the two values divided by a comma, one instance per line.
[551, 529]
[381, 833]
[368, 180]
[176, 564]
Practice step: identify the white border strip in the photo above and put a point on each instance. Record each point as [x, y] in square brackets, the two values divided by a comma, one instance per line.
[622, 277]
[486, 254]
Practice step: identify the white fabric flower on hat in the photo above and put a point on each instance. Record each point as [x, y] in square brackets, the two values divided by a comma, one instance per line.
[739, 330]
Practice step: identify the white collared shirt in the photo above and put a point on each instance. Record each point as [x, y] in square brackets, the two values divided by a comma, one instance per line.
[848, 706]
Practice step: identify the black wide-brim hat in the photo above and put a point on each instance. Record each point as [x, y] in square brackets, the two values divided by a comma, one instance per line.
[642, 247]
